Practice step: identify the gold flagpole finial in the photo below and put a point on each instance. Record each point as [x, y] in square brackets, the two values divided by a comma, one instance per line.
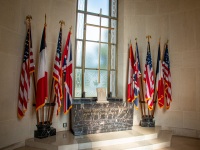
[148, 37]
[159, 40]
[167, 42]
[29, 17]
[61, 23]
[45, 20]
[136, 40]
[70, 29]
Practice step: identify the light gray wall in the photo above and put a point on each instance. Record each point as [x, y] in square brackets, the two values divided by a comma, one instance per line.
[179, 22]
[12, 38]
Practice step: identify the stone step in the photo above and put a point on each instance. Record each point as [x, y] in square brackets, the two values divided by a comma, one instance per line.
[128, 139]
[163, 140]
[112, 138]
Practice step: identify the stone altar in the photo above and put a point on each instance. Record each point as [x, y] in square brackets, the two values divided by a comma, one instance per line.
[90, 117]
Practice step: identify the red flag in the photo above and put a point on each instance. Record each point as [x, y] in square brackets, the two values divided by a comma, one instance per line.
[27, 68]
[149, 79]
[167, 77]
[68, 76]
[159, 81]
[57, 72]
[130, 86]
[42, 88]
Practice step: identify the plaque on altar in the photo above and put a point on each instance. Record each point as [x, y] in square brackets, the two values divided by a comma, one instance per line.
[101, 95]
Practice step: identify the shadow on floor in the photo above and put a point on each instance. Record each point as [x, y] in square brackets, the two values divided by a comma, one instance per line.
[183, 143]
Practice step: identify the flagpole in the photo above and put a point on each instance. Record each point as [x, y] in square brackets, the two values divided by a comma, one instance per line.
[155, 92]
[45, 24]
[50, 113]
[148, 37]
[141, 104]
[28, 18]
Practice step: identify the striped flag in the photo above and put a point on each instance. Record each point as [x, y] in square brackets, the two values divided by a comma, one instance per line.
[68, 76]
[27, 68]
[137, 75]
[149, 79]
[130, 86]
[167, 77]
[32, 64]
[159, 80]
[57, 72]
[42, 87]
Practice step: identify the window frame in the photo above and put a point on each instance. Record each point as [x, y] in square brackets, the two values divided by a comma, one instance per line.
[109, 17]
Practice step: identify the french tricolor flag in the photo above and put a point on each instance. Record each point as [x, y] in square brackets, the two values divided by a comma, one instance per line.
[42, 88]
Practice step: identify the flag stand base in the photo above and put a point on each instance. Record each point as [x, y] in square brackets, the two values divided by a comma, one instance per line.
[147, 121]
[44, 130]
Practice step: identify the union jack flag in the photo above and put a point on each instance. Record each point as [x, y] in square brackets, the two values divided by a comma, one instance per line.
[167, 77]
[68, 76]
[57, 72]
[27, 68]
[149, 79]
[130, 86]
[137, 75]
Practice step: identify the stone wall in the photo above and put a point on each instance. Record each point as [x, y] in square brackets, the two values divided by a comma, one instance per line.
[93, 117]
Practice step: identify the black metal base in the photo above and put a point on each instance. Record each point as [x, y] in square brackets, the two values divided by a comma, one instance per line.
[147, 121]
[44, 130]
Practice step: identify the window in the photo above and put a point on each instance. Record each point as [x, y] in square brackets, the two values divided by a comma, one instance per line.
[96, 47]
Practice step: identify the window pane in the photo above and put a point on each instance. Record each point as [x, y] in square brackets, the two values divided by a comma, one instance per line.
[92, 33]
[104, 56]
[113, 56]
[112, 83]
[104, 35]
[91, 82]
[81, 4]
[114, 8]
[92, 54]
[78, 82]
[93, 20]
[104, 22]
[80, 26]
[113, 32]
[95, 6]
[79, 54]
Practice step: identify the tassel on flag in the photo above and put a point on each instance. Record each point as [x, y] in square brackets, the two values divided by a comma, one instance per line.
[159, 80]
[149, 79]
[167, 77]
[57, 72]
[42, 87]
[130, 86]
[137, 75]
[27, 68]
[68, 76]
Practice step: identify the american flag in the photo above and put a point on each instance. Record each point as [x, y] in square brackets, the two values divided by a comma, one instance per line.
[167, 77]
[130, 86]
[32, 64]
[149, 79]
[68, 76]
[137, 75]
[57, 72]
[42, 86]
[159, 80]
[27, 68]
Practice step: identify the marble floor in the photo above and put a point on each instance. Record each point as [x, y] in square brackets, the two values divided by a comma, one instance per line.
[177, 143]
[139, 138]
